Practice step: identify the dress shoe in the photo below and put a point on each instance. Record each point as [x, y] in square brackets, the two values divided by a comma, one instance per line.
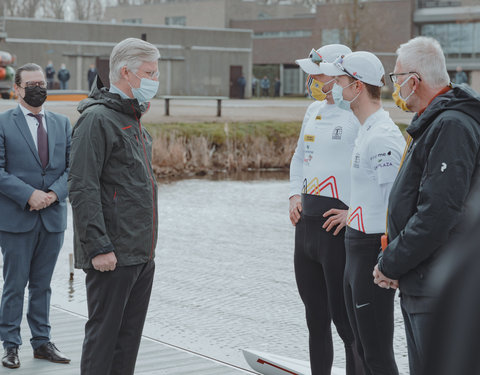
[10, 358]
[51, 353]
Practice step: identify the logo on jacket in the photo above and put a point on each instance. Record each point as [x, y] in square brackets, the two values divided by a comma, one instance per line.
[356, 160]
[443, 167]
[307, 160]
[337, 133]
[309, 138]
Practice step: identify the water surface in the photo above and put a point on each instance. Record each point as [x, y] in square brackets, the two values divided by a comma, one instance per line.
[224, 272]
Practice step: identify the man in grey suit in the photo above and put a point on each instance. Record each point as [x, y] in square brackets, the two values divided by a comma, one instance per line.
[34, 157]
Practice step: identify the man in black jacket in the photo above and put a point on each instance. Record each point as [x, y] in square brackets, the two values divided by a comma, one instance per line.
[113, 193]
[430, 197]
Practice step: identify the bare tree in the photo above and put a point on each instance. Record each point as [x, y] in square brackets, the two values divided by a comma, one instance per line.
[54, 8]
[88, 10]
[21, 8]
[351, 34]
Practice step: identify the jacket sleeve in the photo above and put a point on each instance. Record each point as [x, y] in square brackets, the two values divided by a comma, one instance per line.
[296, 164]
[59, 187]
[10, 185]
[444, 186]
[91, 148]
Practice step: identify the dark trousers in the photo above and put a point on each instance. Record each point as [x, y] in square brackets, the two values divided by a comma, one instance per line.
[417, 329]
[117, 306]
[27, 258]
[319, 266]
[369, 307]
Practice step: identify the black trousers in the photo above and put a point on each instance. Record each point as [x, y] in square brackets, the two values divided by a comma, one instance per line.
[117, 306]
[319, 267]
[418, 326]
[370, 308]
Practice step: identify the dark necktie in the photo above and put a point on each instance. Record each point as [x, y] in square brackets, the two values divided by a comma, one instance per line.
[42, 140]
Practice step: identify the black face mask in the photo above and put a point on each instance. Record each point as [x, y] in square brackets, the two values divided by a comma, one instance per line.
[35, 96]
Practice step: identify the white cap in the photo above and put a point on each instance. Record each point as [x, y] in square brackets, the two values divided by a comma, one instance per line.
[361, 65]
[327, 54]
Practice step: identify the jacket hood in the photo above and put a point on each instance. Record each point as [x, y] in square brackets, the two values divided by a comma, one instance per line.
[99, 94]
[460, 98]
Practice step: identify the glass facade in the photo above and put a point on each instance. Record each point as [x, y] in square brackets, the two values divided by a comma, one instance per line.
[282, 34]
[291, 80]
[457, 39]
[176, 21]
[132, 20]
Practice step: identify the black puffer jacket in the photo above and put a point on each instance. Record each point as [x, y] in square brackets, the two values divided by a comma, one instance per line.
[430, 197]
[112, 188]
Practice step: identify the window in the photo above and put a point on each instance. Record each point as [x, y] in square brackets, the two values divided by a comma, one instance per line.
[282, 34]
[456, 39]
[132, 20]
[176, 21]
[330, 36]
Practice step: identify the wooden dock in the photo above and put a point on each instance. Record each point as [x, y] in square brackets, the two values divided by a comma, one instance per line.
[155, 357]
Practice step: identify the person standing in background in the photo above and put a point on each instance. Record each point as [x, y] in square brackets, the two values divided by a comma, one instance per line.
[50, 75]
[91, 75]
[63, 76]
[265, 86]
[241, 82]
[277, 87]
[460, 76]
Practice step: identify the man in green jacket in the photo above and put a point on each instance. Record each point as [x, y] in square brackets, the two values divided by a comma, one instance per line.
[113, 193]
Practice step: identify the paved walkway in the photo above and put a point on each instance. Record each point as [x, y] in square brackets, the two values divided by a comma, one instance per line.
[233, 110]
[155, 358]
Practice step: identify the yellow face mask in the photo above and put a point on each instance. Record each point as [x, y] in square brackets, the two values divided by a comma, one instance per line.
[397, 97]
[315, 88]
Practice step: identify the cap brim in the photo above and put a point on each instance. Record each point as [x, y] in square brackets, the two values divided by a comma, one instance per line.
[308, 66]
[330, 69]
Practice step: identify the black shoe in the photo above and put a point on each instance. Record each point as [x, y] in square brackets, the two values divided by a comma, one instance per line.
[10, 358]
[51, 353]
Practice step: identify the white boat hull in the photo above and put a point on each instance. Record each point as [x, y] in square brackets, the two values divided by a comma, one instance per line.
[271, 364]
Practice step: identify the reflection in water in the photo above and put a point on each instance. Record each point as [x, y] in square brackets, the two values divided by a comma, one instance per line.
[253, 175]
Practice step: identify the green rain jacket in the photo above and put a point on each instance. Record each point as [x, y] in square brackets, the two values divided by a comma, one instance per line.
[112, 188]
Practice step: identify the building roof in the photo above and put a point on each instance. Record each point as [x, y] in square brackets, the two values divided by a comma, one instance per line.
[446, 14]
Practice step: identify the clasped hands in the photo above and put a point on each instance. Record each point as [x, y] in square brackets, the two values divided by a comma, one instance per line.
[382, 281]
[40, 200]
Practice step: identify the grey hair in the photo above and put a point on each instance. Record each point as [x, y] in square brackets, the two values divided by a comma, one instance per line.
[132, 53]
[424, 55]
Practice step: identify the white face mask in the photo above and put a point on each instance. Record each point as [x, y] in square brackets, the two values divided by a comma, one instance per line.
[147, 90]
[337, 94]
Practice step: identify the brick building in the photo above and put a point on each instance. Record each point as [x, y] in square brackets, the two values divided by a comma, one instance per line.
[286, 31]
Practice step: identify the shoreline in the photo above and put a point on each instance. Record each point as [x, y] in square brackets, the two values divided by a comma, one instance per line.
[183, 150]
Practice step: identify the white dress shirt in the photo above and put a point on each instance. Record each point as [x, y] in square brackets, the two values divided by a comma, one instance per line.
[33, 123]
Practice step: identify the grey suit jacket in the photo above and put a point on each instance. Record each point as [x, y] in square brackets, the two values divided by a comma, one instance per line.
[21, 172]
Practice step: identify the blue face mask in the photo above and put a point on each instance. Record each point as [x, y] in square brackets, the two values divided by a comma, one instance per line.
[147, 90]
[337, 94]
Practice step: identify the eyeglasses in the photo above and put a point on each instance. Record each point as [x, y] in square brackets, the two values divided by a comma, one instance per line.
[339, 64]
[150, 74]
[315, 56]
[394, 78]
[32, 84]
